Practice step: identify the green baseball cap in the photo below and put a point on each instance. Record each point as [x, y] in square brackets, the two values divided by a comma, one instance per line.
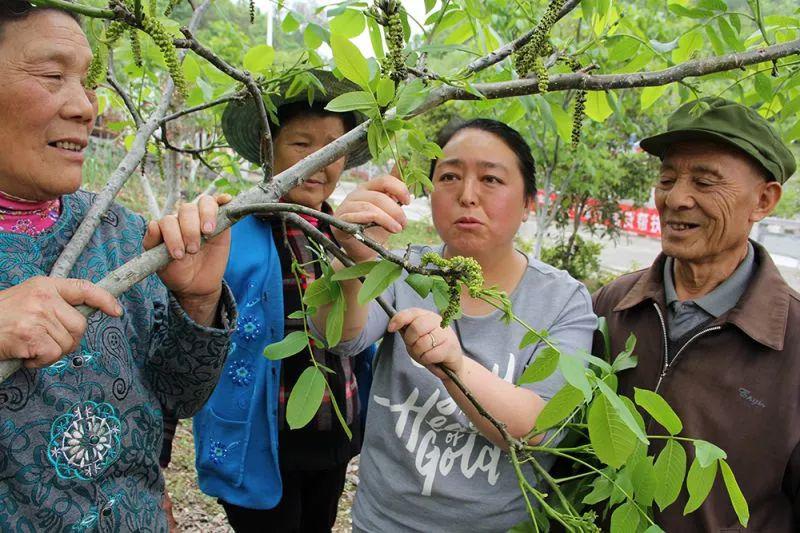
[242, 126]
[724, 121]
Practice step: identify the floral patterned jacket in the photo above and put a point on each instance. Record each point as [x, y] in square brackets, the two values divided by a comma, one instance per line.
[79, 440]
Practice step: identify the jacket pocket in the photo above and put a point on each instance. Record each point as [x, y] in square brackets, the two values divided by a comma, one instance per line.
[221, 447]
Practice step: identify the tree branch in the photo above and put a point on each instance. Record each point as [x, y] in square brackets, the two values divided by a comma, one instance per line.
[80, 9]
[152, 202]
[126, 98]
[505, 51]
[201, 107]
[267, 157]
[605, 82]
[356, 230]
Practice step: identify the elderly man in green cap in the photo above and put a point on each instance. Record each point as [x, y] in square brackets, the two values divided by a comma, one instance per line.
[716, 324]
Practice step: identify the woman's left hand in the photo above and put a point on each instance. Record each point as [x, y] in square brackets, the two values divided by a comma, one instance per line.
[427, 342]
[195, 273]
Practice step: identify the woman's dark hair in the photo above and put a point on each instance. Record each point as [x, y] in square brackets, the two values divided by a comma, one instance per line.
[14, 10]
[288, 112]
[510, 136]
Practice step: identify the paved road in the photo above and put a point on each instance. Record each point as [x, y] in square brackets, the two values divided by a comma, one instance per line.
[629, 253]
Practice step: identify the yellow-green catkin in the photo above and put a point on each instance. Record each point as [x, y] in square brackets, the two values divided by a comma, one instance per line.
[252, 11]
[542, 75]
[170, 6]
[153, 8]
[160, 161]
[458, 269]
[162, 39]
[577, 117]
[525, 59]
[387, 14]
[579, 111]
[97, 68]
[136, 47]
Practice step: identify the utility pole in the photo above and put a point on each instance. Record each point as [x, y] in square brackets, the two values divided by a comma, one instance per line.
[270, 21]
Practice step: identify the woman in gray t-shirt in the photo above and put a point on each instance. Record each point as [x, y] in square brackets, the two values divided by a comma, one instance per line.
[430, 462]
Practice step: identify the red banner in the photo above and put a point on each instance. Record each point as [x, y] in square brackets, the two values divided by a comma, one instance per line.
[637, 220]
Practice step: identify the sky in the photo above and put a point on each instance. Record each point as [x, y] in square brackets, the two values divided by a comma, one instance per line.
[415, 7]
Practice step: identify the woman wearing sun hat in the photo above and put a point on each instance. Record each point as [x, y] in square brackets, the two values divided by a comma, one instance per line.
[266, 476]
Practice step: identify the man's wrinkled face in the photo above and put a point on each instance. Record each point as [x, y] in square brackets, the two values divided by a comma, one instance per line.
[46, 112]
[708, 196]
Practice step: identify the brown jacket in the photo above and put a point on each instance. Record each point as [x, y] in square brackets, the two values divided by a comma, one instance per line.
[735, 383]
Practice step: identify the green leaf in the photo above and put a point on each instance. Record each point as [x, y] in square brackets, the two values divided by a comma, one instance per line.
[597, 107]
[659, 409]
[612, 440]
[622, 410]
[707, 453]
[763, 86]
[625, 518]
[385, 91]
[650, 95]
[670, 469]
[623, 485]
[688, 44]
[622, 48]
[379, 278]
[542, 367]
[313, 36]
[305, 398]
[357, 100]
[559, 407]
[350, 23]
[575, 374]
[601, 490]
[716, 42]
[715, 5]
[654, 529]
[297, 314]
[421, 284]
[441, 294]
[349, 61]
[356, 271]
[729, 35]
[735, 493]
[191, 69]
[318, 293]
[699, 482]
[563, 121]
[411, 96]
[693, 13]
[513, 112]
[292, 344]
[375, 38]
[259, 58]
[290, 23]
[644, 480]
[532, 337]
[335, 322]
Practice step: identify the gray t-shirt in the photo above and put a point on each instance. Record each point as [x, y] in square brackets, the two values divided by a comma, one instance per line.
[424, 467]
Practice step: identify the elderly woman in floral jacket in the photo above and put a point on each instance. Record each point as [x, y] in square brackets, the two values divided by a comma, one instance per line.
[81, 424]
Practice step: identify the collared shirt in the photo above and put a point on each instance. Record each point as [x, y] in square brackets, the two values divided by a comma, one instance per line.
[683, 317]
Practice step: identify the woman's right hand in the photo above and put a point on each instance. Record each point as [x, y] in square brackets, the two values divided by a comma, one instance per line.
[378, 201]
[38, 320]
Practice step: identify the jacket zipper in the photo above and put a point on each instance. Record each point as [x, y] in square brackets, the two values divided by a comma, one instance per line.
[667, 363]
